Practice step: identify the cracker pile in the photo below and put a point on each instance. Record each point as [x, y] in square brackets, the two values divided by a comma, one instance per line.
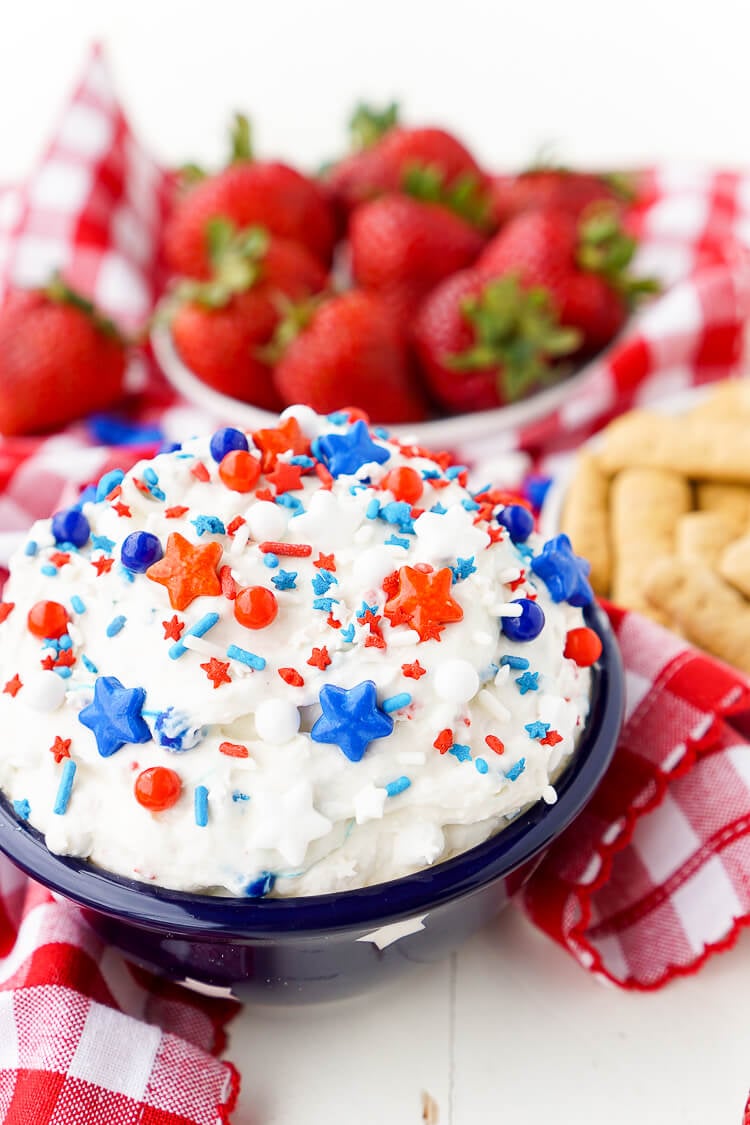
[662, 511]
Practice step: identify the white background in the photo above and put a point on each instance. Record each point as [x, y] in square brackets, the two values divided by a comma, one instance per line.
[511, 1031]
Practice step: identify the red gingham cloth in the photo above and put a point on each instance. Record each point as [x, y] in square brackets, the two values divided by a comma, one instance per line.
[649, 881]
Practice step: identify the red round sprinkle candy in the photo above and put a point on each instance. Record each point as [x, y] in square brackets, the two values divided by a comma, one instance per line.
[583, 646]
[255, 607]
[405, 483]
[48, 619]
[157, 788]
[239, 470]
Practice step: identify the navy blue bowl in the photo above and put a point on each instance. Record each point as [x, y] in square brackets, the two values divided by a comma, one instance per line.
[326, 946]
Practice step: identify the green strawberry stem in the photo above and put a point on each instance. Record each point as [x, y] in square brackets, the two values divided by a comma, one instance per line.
[605, 248]
[58, 290]
[465, 197]
[241, 138]
[237, 260]
[294, 319]
[367, 124]
[517, 332]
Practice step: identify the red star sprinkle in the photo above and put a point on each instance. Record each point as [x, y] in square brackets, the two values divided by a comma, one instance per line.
[439, 483]
[6, 608]
[102, 565]
[285, 477]
[175, 512]
[264, 494]
[333, 622]
[186, 571]
[390, 583]
[122, 509]
[518, 581]
[284, 437]
[65, 658]
[59, 558]
[374, 640]
[423, 602]
[325, 562]
[13, 686]
[235, 525]
[234, 750]
[217, 672]
[413, 671]
[444, 740]
[495, 743]
[496, 534]
[60, 748]
[200, 472]
[291, 676]
[228, 584]
[173, 629]
[48, 662]
[551, 738]
[320, 658]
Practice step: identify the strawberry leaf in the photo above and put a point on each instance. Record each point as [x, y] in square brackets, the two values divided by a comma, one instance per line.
[367, 124]
[465, 197]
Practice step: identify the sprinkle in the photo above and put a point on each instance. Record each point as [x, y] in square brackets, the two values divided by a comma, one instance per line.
[323, 581]
[444, 740]
[126, 574]
[320, 658]
[326, 604]
[270, 561]
[463, 753]
[549, 795]
[263, 885]
[470, 505]
[481, 765]
[258, 663]
[200, 472]
[493, 705]
[396, 702]
[324, 476]
[65, 641]
[366, 613]
[234, 750]
[175, 512]
[551, 738]
[463, 568]
[438, 509]
[210, 525]
[102, 543]
[77, 604]
[536, 729]
[64, 673]
[6, 608]
[347, 634]
[217, 672]
[529, 681]
[150, 476]
[285, 580]
[201, 806]
[325, 562]
[102, 566]
[397, 541]
[287, 550]
[518, 662]
[393, 788]
[89, 665]
[60, 748]
[240, 797]
[65, 786]
[301, 459]
[13, 686]
[508, 609]
[291, 676]
[200, 629]
[516, 770]
[495, 743]
[413, 671]
[22, 808]
[294, 504]
[235, 525]
[49, 571]
[60, 558]
[31, 548]
[373, 509]
[122, 510]
[116, 625]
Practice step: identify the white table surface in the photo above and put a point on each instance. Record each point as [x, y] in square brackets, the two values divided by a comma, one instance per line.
[511, 1031]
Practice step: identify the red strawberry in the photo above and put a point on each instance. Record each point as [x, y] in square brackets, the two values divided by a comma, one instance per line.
[221, 326]
[59, 360]
[590, 304]
[554, 187]
[351, 353]
[539, 247]
[427, 162]
[483, 343]
[401, 248]
[247, 193]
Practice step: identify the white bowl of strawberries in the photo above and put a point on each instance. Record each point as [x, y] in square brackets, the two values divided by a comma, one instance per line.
[461, 304]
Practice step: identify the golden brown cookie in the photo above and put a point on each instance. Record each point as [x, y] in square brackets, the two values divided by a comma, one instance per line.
[585, 519]
[700, 448]
[734, 565]
[702, 536]
[732, 500]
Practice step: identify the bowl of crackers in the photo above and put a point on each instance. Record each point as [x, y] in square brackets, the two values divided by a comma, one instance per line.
[659, 502]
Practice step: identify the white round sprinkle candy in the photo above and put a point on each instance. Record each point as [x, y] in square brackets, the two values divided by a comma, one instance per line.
[307, 420]
[266, 520]
[44, 691]
[276, 720]
[456, 680]
[371, 566]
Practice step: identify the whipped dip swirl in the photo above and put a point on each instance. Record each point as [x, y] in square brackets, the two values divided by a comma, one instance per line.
[288, 662]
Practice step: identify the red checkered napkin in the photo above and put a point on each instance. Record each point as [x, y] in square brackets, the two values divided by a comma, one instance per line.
[654, 876]
[86, 1039]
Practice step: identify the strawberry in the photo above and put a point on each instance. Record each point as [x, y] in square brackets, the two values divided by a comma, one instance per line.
[59, 359]
[591, 305]
[220, 327]
[351, 352]
[555, 187]
[538, 246]
[428, 163]
[483, 343]
[248, 193]
[401, 248]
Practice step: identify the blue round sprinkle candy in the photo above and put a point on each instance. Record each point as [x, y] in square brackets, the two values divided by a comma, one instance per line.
[70, 526]
[140, 550]
[518, 520]
[225, 441]
[108, 482]
[528, 625]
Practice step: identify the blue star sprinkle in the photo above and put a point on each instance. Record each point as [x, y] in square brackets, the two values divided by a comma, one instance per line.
[210, 524]
[115, 715]
[347, 634]
[346, 453]
[285, 580]
[351, 719]
[536, 730]
[529, 681]
[438, 509]
[102, 543]
[463, 753]
[323, 581]
[398, 512]
[516, 770]
[463, 568]
[565, 574]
